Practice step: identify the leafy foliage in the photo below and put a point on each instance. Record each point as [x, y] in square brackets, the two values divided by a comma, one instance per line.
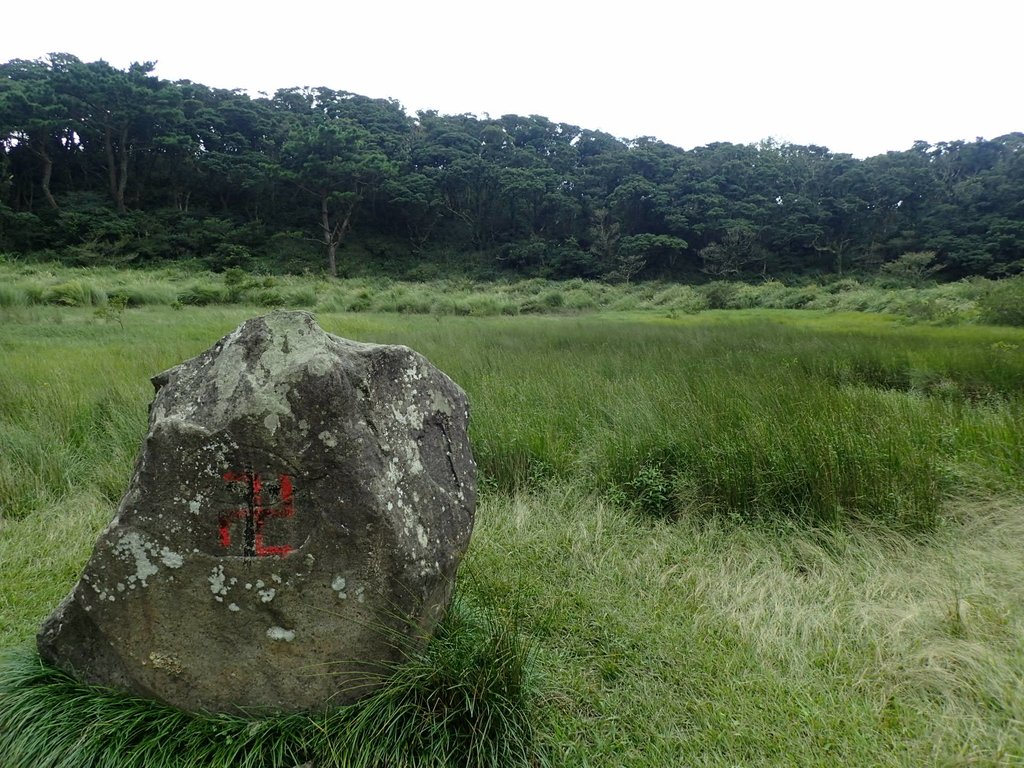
[101, 165]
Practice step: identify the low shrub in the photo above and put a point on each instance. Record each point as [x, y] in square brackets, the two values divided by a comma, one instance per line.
[1003, 302]
[681, 298]
[720, 294]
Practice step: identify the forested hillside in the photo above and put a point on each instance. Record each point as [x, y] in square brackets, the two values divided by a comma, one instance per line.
[100, 165]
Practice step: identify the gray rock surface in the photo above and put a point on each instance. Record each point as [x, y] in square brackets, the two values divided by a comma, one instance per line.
[292, 528]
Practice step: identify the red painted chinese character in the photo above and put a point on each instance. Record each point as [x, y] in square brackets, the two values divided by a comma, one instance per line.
[255, 513]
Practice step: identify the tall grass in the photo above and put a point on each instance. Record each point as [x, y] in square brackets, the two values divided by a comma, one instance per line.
[969, 301]
[715, 642]
[690, 548]
[740, 416]
[466, 700]
[730, 413]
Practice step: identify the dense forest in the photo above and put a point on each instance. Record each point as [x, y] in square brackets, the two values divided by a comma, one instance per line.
[101, 165]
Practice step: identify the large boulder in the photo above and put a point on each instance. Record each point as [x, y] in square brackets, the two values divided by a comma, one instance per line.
[291, 531]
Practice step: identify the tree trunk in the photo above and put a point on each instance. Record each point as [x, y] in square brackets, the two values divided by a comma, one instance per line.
[108, 151]
[117, 167]
[334, 235]
[122, 171]
[329, 239]
[47, 173]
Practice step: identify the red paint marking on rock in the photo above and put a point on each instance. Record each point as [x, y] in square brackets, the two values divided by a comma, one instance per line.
[255, 514]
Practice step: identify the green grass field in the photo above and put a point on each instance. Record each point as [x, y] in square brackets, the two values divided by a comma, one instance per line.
[746, 537]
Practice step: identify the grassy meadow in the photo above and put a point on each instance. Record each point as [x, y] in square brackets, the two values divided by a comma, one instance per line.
[705, 537]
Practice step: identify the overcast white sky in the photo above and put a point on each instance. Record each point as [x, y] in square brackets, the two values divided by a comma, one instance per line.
[862, 77]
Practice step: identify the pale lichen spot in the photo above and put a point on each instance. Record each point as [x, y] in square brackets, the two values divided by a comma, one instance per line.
[171, 559]
[440, 404]
[266, 595]
[328, 439]
[233, 607]
[280, 633]
[217, 581]
[133, 546]
[338, 585]
[272, 422]
[415, 465]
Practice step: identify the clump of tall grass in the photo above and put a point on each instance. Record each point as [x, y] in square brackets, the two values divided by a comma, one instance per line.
[75, 293]
[1003, 302]
[469, 699]
[747, 418]
[54, 438]
[681, 298]
[200, 294]
[792, 451]
[974, 366]
[582, 295]
[146, 293]
[12, 296]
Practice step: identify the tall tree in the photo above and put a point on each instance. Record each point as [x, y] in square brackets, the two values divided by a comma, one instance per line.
[32, 116]
[124, 112]
[335, 162]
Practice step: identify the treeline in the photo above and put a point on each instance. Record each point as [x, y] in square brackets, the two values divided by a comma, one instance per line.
[101, 165]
